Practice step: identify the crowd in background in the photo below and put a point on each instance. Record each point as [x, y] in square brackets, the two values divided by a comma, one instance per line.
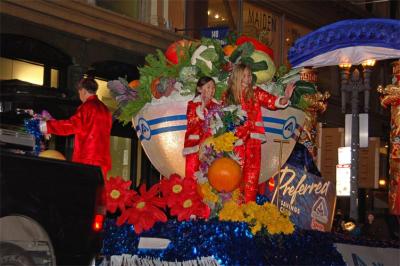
[374, 227]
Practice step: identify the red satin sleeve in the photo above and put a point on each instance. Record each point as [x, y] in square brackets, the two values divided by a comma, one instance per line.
[194, 125]
[70, 126]
[265, 99]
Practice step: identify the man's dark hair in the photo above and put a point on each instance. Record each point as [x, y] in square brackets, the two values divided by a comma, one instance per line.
[88, 84]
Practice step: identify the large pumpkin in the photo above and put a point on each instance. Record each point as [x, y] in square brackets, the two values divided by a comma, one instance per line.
[53, 154]
[171, 53]
[224, 174]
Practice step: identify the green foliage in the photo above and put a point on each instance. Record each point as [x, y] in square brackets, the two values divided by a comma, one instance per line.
[209, 54]
[157, 66]
[219, 90]
[282, 70]
[257, 66]
[215, 55]
[186, 52]
[189, 88]
[243, 51]
[231, 38]
[302, 88]
[204, 69]
[229, 119]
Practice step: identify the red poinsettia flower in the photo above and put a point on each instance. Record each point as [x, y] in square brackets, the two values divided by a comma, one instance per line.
[175, 186]
[145, 210]
[190, 204]
[117, 193]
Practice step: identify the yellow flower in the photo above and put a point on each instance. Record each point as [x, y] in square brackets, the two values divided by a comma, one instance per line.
[225, 142]
[257, 216]
[209, 195]
[276, 222]
[236, 195]
[231, 211]
[257, 227]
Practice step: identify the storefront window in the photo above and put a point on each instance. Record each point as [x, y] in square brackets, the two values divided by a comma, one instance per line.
[54, 78]
[21, 70]
[120, 157]
[104, 95]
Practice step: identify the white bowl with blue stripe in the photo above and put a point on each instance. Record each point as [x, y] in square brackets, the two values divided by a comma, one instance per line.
[161, 129]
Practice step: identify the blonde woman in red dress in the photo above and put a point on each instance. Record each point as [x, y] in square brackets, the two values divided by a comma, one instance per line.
[252, 134]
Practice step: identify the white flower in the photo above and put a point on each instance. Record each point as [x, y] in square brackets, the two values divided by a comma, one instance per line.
[216, 123]
[241, 113]
[230, 108]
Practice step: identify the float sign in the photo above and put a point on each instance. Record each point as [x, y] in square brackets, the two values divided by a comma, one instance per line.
[308, 199]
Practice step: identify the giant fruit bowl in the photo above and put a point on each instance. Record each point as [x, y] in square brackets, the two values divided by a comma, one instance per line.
[161, 127]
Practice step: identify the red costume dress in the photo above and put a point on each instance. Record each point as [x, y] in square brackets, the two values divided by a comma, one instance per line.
[91, 125]
[251, 135]
[195, 133]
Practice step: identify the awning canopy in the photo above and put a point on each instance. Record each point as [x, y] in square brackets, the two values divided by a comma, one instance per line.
[347, 41]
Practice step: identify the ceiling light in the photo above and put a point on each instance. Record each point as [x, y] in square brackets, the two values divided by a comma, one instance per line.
[345, 65]
[368, 63]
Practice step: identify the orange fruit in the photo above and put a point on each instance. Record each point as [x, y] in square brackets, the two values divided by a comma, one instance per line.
[228, 49]
[134, 83]
[224, 174]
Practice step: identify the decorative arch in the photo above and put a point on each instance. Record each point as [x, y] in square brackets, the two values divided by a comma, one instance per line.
[26, 48]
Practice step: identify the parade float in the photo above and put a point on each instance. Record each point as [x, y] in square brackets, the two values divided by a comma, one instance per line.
[205, 221]
[211, 207]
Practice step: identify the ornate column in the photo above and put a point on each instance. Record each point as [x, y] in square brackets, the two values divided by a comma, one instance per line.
[391, 97]
[316, 103]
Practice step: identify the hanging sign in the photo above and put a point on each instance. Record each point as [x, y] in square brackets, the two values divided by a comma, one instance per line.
[218, 33]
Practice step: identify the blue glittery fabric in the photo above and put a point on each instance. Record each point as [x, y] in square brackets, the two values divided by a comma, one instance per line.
[231, 243]
[33, 128]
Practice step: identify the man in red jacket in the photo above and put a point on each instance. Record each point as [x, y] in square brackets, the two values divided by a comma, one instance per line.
[91, 125]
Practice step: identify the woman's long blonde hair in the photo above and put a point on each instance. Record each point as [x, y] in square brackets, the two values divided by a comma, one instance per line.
[234, 91]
